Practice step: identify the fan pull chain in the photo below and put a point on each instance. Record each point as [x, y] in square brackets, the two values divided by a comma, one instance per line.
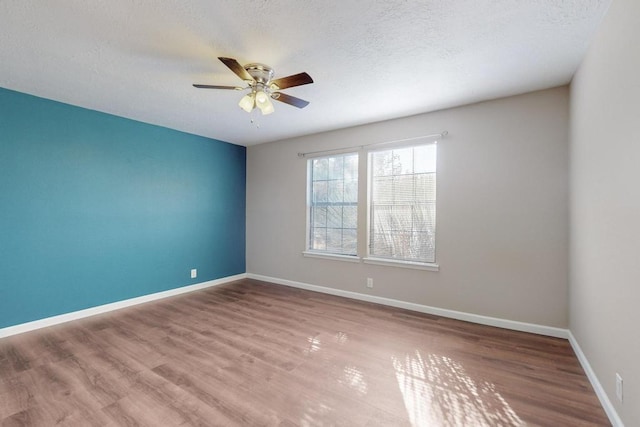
[254, 118]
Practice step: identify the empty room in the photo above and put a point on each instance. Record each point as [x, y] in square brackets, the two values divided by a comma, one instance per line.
[287, 213]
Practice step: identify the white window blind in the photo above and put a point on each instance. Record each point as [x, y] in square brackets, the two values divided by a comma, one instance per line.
[402, 204]
[333, 204]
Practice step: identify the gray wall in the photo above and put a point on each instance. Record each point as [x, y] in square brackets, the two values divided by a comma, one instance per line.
[605, 205]
[502, 230]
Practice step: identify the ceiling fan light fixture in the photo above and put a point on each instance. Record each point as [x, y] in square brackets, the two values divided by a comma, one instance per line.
[264, 103]
[267, 109]
[247, 102]
[261, 98]
[262, 86]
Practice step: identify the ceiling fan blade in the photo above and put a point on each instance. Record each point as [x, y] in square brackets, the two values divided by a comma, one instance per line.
[288, 99]
[216, 87]
[291, 81]
[236, 68]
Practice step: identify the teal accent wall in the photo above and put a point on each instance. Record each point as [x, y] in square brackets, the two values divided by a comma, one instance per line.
[96, 208]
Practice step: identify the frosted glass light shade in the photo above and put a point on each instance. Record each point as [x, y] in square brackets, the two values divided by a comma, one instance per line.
[247, 102]
[264, 103]
[268, 108]
[261, 98]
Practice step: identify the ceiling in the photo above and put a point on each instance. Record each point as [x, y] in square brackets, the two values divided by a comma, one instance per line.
[371, 60]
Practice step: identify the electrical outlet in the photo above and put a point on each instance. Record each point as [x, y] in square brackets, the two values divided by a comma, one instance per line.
[369, 282]
[619, 387]
[194, 273]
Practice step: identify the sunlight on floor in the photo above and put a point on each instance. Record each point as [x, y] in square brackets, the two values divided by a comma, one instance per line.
[314, 413]
[314, 345]
[340, 338]
[353, 378]
[438, 392]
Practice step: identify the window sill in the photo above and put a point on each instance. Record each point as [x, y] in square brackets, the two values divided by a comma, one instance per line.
[377, 261]
[402, 264]
[322, 255]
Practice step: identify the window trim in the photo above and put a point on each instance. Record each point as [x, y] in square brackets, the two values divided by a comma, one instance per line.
[373, 259]
[429, 266]
[367, 151]
[317, 253]
[332, 256]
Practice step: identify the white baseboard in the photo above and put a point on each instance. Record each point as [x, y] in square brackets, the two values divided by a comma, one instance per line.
[75, 315]
[602, 395]
[459, 315]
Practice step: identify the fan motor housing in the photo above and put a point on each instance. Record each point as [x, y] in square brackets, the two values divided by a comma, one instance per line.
[261, 73]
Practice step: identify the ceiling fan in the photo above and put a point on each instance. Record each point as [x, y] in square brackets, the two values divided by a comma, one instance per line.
[263, 88]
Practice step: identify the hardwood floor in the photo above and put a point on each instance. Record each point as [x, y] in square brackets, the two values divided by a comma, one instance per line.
[251, 353]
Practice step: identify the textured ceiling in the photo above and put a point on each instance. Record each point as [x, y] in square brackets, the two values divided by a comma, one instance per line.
[371, 60]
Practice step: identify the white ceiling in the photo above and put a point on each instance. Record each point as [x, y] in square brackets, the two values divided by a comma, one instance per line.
[371, 60]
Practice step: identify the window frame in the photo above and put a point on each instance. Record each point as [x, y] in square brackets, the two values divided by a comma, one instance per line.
[319, 253]
[363, 234]
[391, 261]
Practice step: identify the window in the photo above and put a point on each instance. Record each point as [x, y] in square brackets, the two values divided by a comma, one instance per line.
[333, 204]
[401, 211]
[402, 204]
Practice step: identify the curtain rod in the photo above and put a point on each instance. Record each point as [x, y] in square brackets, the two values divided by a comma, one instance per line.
[360, 147]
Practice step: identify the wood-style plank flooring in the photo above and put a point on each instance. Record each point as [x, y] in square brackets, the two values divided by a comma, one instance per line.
[251, 353]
